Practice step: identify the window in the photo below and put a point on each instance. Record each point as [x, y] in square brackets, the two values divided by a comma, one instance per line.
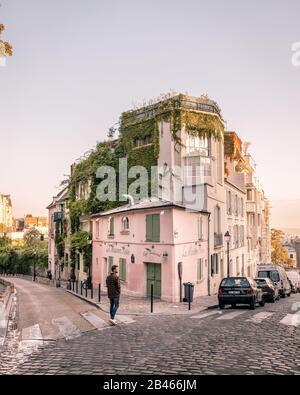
[214, 264]
[242, 207]
[153, 227]
[110, 264]
[249, 194]
[229, 203]
[97, 230]
[200, 228]
[122, 269]
[111, 230]
[125, 223]
[197, 167]
[139, 142]
[197, 145]
[236, 205]
[217, 220]
[199, 270]
[242, 236]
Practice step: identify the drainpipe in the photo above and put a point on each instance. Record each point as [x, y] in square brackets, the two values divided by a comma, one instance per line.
[208, 254]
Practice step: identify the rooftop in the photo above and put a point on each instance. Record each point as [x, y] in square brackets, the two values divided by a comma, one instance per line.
[142, 205]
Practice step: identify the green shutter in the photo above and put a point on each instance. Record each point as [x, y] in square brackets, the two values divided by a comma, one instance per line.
[111, 228]
[122, 268]
[149, 235]
[156, 227]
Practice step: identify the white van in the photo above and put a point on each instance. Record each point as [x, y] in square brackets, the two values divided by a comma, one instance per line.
[295, 278]
[278, 275]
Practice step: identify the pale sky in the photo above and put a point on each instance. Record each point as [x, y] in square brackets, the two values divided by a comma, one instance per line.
[79, 63]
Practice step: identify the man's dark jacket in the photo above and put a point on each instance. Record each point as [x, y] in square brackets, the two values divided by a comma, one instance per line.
[113, 286]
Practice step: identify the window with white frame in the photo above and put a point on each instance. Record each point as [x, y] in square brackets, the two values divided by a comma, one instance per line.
[125, 223]
[197, 145]
[97, 230]
[111, 226]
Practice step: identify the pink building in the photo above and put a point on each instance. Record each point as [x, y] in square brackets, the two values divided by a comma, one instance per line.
[148, 241]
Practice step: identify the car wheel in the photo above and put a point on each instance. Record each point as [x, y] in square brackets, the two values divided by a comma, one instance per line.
[273, 300]
[233, 305]
[288, 295]
[252, 305]
[221, 306]
[262, 303]
[283, 295]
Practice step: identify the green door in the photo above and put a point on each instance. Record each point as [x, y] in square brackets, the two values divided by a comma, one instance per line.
[154, 277]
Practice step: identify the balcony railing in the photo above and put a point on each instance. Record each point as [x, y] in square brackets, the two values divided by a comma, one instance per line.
[218, 239]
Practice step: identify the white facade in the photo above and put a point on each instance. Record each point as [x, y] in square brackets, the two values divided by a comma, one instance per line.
[6, 219]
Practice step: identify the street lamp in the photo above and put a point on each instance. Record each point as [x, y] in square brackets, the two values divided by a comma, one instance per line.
[90, 242]
[227, 238]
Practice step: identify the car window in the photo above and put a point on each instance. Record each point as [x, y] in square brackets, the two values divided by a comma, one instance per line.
[235, 282]
[272, 274]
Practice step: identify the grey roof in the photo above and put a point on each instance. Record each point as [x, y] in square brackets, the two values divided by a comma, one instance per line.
[60, 198]
[142, 205]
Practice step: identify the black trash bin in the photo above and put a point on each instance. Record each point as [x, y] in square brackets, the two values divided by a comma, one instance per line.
[188, 292]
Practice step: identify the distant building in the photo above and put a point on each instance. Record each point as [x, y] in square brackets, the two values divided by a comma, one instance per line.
[6, 219]
[292, 255]
[296, 244]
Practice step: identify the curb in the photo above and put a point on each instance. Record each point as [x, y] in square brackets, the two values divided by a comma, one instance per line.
[97, 305]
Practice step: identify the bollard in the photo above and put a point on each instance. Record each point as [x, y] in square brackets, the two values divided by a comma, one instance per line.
[81, 288]
[86, 290]
[190, 298]
[92, 291]
[77, 286]
[152, 298]
[99, 293]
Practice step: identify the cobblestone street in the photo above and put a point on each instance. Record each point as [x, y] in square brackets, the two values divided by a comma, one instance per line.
[234, 341]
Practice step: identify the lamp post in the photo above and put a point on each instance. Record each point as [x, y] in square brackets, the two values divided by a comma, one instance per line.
[90, 242]
[227, 238]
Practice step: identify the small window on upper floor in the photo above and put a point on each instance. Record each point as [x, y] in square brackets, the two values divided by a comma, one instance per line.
[249, 194]
[197, 145]
[125, 223]
[111, 226]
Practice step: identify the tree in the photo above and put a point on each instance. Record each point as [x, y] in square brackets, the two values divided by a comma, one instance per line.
[5, 48]
[32, 239]
[279, 253]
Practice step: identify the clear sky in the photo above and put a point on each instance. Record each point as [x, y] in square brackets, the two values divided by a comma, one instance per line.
[79, 63]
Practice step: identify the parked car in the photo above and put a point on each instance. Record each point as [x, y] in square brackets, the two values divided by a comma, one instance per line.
[269, 289]
[295, 278]
[240, 290]
[293, 287]
[278, 275]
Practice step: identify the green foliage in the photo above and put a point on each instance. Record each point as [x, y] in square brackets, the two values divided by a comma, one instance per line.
[279, 254]
[32, 239]
[20, 260]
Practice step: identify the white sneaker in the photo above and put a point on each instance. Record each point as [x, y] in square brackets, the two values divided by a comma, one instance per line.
[115, 322]
[112, 322]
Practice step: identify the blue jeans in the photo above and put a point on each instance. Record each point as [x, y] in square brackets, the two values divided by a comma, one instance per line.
[114, 305]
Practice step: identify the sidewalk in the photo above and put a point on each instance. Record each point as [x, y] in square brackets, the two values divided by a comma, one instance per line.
[141, 306]
[138, 306]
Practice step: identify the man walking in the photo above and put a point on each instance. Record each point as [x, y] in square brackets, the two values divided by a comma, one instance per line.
[113, 292]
